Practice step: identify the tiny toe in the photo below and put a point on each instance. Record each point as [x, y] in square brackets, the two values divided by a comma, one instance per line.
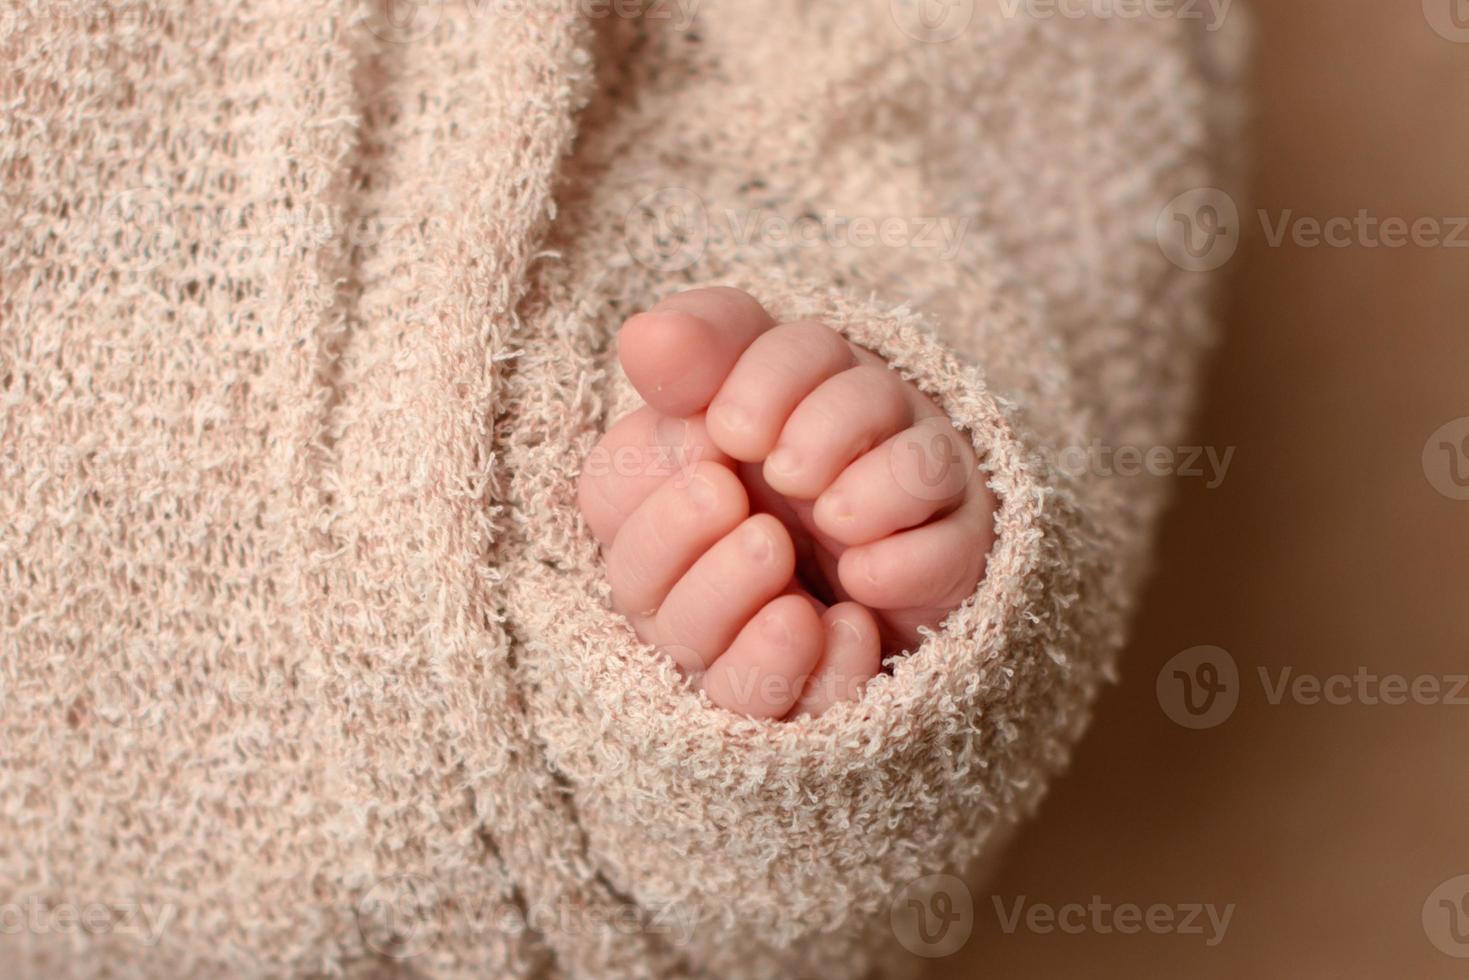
[843, 418]
[765, 669]
[668, 532]
[924, 470]
[853, 656]
[678, 353]
[708, 607]
[634, 458]
[933, 567]
[770, 379]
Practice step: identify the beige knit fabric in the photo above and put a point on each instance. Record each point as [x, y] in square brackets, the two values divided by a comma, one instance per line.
[305, 325]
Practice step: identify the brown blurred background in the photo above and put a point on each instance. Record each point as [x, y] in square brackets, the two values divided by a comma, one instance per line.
[1326, 549]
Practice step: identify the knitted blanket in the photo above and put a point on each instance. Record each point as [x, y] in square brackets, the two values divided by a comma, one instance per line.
[306, 663]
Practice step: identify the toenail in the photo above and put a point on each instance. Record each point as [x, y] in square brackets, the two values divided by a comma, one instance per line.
[836, 507]
[869, 570]
[701, 493]
[757, 544]
[671, 432]
[843, 633]
[784, 461]
[733, 417]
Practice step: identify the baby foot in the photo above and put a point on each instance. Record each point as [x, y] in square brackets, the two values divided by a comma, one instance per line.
[784, 508]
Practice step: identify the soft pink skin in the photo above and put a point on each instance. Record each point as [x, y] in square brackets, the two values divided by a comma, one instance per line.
[771, 457]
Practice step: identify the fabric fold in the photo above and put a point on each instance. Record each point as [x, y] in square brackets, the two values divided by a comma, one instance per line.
[307, 316]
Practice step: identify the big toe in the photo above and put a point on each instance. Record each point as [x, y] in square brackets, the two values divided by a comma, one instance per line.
[679, 353]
